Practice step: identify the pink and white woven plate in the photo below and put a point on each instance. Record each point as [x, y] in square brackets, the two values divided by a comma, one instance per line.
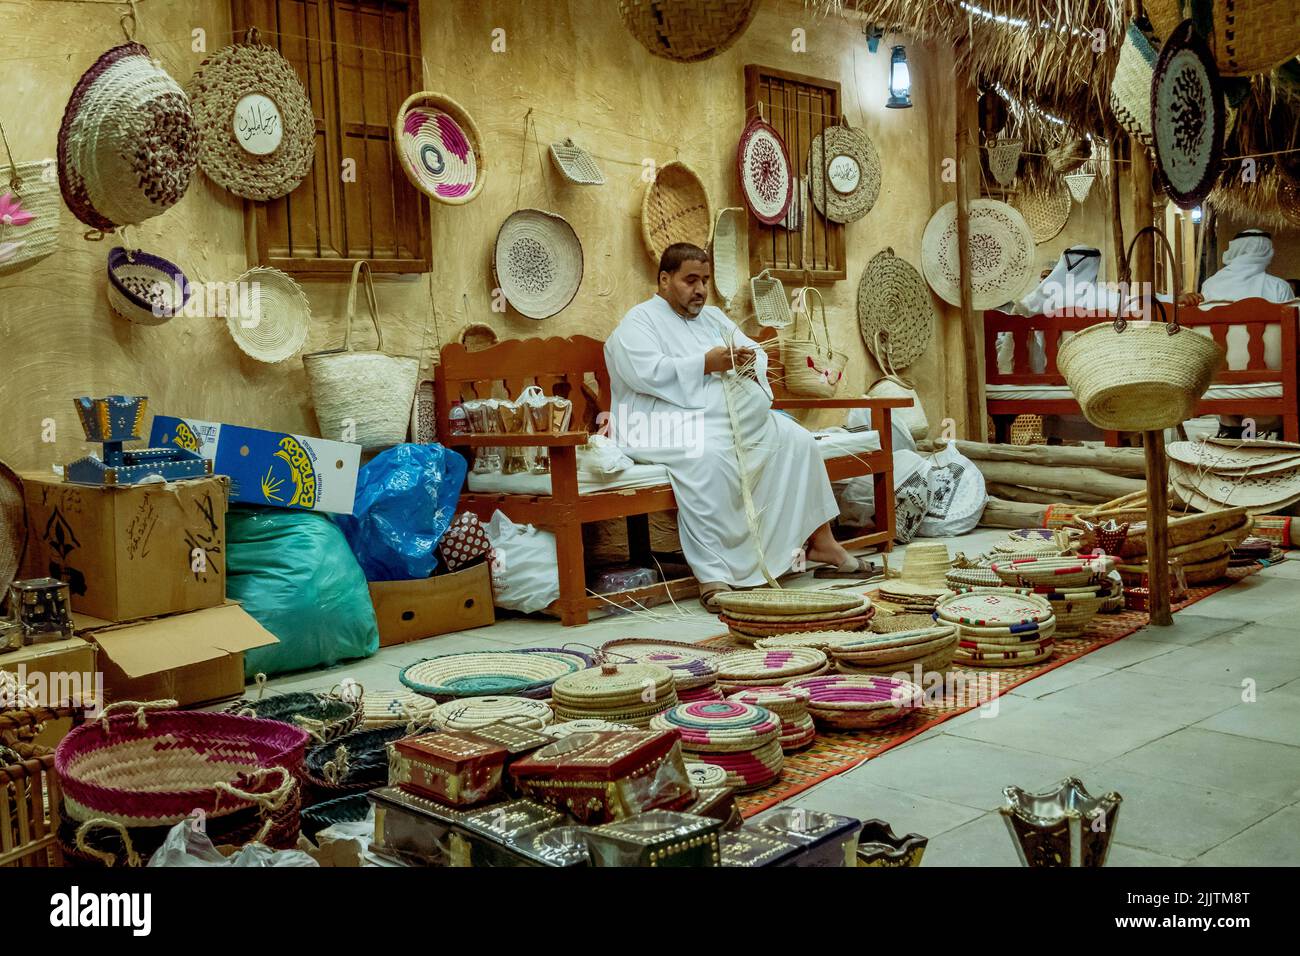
[994, 608]
[765, 176]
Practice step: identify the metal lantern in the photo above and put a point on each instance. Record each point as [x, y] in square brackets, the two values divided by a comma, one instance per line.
[900, 81]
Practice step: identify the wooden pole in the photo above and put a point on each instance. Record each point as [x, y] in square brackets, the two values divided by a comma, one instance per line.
[1116, 215]
[976, 419]
[1153, 442]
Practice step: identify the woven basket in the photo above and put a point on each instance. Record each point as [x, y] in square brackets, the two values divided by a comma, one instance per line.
[155, 768]
[257, 131]
[1250, 36]
[812, 367]
[145, 289]
[686, 31]
[390, 708]
[323, 716]
[1184, 529]
[1028, 430]
[352, 808]
[675, 208]
[771, 307]
[1127, 377]
[895, 311]
[469, 713]
[440, 148]
[850, 702]
[1045, 211]
[366, 393]
[1130, 88]
[30, 200]
[787, 601]
[537, 262]
[634, 646]
[128, 145]
[727, 264]
[1080, 185]
[576, 164]
[749, 631]
[1001, 260]
[271, 317]
[353, 763]
[843, 173]
[480, 673]
[1051, 572]
[814, 617]
[1004, 159]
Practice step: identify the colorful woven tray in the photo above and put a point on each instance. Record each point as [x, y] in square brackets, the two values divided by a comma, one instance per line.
[471, 712]
[723, 726]
[849, 701]
[994, 608]
[479, 673]
[773, 666]
[689, 671]
[750, 770]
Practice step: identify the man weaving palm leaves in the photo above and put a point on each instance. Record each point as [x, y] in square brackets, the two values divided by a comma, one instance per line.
[671, 355]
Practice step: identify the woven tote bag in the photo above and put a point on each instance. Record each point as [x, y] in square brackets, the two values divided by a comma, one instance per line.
[365, 395]
[29, 210]
[812, 368]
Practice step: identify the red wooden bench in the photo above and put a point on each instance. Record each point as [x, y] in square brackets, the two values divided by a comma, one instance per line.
[574, 368]
[1256, 390]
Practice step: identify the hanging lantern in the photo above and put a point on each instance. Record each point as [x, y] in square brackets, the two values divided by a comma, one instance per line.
[900, 81]
[1197, 215]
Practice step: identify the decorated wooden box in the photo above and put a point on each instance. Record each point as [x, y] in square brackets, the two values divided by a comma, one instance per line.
[457, 768]
[607, 775]
[515, 740]
[824, 839]
[657, 838]
[716, 802]
[748, 846]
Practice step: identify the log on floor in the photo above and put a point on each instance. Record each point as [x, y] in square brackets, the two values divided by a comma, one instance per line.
[1088, 481]
[1012, 514]
[1129, 462]
[1041, 496]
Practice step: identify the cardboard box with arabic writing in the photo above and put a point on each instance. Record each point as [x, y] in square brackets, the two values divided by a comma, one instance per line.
[269, 468]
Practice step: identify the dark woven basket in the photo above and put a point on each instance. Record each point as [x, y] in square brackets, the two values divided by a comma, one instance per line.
[366, 763]
[350, 809]
[323, 716]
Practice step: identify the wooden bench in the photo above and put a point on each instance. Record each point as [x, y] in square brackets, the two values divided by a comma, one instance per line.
[574, 368]
[1053, 397]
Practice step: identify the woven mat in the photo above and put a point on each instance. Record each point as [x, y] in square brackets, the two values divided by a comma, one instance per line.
[833, 753]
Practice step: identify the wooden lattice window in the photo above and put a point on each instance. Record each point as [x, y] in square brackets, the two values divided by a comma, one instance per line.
[799, 108]
[358, 60]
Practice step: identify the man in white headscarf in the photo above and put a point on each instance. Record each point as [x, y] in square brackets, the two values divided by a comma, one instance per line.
[1072, 284]
[1244, 274]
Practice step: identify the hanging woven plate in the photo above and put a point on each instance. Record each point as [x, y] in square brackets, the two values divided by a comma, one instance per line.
[765, 173]
[675, 208]
[687, 31]
[1045, 211]
[271, 320]
[894, 309]
[257, 131]
[844, 173]
[727, 264]
[1187, 117]
[1001, 254]
[127, 144]
[538, 262]
[440, 148]
[576, 164]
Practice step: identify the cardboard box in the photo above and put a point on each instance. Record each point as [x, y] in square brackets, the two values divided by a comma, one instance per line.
[130, 551]
[269, 468]
[192, 658]
[411, 610]
[55, 672]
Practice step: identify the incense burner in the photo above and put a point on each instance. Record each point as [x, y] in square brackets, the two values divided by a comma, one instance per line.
[1062, 827]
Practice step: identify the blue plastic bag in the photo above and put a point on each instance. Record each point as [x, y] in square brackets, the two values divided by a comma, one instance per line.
[406, 498]
[295, 574]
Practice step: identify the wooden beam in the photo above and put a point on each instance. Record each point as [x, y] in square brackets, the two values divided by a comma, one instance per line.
[1116, 210]
[976, 418]
[1012, 514]
[1089, 481]
[1119, 461]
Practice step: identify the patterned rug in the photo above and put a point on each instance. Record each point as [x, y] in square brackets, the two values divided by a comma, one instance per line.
[964, 688]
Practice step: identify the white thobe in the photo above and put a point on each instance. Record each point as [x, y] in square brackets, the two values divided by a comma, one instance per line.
[667, 411]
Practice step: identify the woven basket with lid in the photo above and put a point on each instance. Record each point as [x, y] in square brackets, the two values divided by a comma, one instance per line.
[623, 693]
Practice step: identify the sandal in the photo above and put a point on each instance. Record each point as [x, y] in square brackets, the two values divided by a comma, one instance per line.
[855, 568]
[710, 591]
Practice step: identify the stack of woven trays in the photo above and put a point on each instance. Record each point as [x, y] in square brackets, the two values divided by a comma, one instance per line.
[824, 641]
[999, 627]
[920, 651]
[1077, 588]
[528, 672]
[742, 739]
[743, 670]
[855, 702]
[768, 612]
[620, 693]
[694, 674]
[1201, 545]
[470, 713]
[790, 705]
[1250, 551]
[959, 579]
[904, 597]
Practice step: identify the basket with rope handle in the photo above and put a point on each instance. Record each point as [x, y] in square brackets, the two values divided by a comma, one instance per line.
[812, 368]
[1141, 376]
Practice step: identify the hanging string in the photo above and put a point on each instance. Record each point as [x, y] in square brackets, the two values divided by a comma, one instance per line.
[132, 15]
[523, 155]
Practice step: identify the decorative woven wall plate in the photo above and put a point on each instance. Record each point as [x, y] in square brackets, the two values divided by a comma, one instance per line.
[576, 164]
[843, 173]
[687, 31]
[440, 148]
[1187, 117]
[727, 264]
[271, 321]
[538, 262]
[1001, 254]
[128, 143]
[894, 303]
[675, 208]
[1045, 211]
[765, 173]
[257, 131]
[144, 288]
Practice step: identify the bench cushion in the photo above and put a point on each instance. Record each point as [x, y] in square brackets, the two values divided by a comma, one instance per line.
[1051, 392]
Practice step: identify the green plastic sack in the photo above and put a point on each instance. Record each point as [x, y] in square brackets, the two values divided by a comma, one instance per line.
[296, 575]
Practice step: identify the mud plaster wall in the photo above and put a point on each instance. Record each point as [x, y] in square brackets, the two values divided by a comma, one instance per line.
[573, 62]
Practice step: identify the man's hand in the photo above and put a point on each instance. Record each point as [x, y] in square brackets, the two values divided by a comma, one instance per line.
[719, 358]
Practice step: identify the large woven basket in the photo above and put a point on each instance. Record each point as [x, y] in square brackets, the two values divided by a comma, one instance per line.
[353, 763]
[812, 366]
[440, 148]
[479, 673]
[1249, 37]
[687, 31]
[675, 208]
[1130, 377]
[322, 716]
[364, 394]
